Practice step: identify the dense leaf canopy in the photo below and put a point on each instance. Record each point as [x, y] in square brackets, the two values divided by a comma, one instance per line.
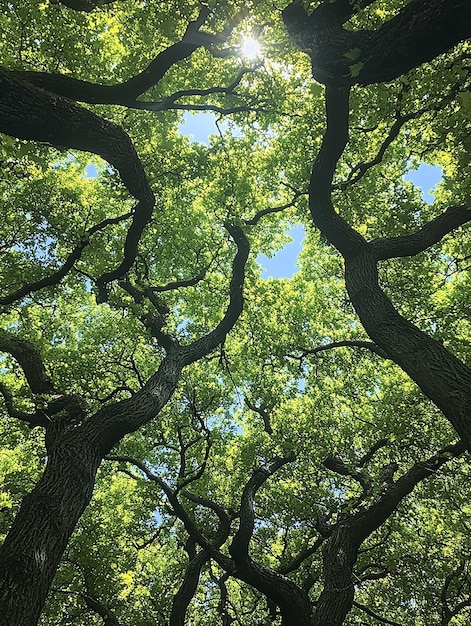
[182, 441]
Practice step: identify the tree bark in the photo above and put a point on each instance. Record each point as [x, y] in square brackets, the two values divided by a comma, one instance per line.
[442, 377]
[32, 550]
[341, 548]
[421, 31]
[42, 528]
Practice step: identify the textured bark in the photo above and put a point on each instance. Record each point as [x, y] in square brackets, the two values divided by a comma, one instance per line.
[32, 550]
[341, 549]
[42, 528]
[27, 355]
[281, 591]
[431, 233]
[293, 600]
[442, 377]
[421, 31]
[187, 589]
[27, 112]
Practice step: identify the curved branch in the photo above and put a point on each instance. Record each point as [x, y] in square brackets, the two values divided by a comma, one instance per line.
[27, 112]
[112, 422]
[347, 240]
[443, 378]
[337, 465]
[35, 419]
[170, 101]
[428, 235]
[210, 548]
[347, 343]
[264, 414]
[374, 615]
[366, 458]
[29, 359]
[56, 277]
[186, 591]
[206, 344]
[190, 282]
[302, 556]
[341, 549]
[277, 209]
[82, 5]
[125, 93]
[108, 617]
[421, 31]
[239, 548]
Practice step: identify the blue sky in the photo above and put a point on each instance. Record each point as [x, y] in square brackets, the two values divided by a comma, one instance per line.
[283, 264]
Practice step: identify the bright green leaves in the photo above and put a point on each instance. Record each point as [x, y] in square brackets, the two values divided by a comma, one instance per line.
[280, 382]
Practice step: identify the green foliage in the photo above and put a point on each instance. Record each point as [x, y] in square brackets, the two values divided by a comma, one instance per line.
[268, 391]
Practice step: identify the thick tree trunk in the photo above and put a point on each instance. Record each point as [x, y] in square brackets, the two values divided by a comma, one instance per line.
[41, 531]
[421, 31]
[335, 601]
[341, 548]
[442, 377]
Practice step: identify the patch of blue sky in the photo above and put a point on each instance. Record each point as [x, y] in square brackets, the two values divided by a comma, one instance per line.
[91, 171]
[426, 177]
[201, 125]
[284, 263]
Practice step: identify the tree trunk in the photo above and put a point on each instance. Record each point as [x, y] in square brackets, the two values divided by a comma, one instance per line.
[41, 531]
[421, 31]
[442, 377]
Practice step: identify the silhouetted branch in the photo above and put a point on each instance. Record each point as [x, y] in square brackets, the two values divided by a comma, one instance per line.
[56, 277]
[428, 235]
[39, 418]
[371, 613]
[29, 358]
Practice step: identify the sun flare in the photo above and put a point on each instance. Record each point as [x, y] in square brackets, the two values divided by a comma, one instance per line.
[250, 48]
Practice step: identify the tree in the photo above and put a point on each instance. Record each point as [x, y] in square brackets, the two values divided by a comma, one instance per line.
[277, 447]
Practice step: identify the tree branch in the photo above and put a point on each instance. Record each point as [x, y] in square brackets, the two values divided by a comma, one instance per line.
[269, 210]
[25, 112]
[421, 31]
[29, 359]
[56, 277]
[180, 512]
[206, 344]
[366, 458]
[347, 343]
[348, 241]
[264, 414]
[239, 548]
[170, 101]
[39, 418]
[431, 233]
[337, 465]
[82, 5]
[341, 549]
[125, 93]
[374, 615]
[186, 591]
[108, 617]
[443, 378]
[301, 557]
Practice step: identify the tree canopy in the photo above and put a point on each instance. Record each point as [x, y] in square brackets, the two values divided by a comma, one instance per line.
[184, 442]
